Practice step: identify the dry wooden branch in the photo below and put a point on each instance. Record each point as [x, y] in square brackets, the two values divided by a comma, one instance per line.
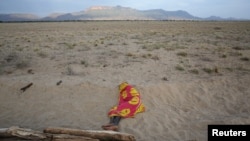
[101, 135]
[62, 134]
[3, 132]
[24, 134]
[59, 82]
[26, 87]
[65, 137]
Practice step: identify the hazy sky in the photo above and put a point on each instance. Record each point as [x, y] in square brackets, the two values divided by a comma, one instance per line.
[200, 8]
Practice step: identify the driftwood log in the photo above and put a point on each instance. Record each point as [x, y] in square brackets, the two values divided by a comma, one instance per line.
[101, 135]
[62, 134]
[66, 137]
[23, 133]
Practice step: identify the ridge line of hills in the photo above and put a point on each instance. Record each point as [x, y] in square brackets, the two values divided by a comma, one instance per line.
[112, 13]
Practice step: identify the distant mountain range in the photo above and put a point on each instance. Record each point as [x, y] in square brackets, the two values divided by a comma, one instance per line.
[110, 13]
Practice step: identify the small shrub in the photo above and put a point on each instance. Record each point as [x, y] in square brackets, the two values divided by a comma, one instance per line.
[36, 49]
[110, 44]
[157, 46]
[244, 59]
[152, 47]
[183, 54]
[70, 46]
[124, 43]
[206, 59]
[85, 63]
[229, 69]
[194, 71]
[130, 54]
[12, 57]
[150, 56]
[42, 54]
[223, 56]
[208, 70]
[155, 58]
[235, 54]
[217, 28]
[219, 37]
[237, 48]
[238, 38]
[169, 48]
[22, 64]
[241, 68]
[179, 68]
[146, 55]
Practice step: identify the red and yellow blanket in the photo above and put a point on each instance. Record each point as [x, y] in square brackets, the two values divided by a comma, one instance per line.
[129, 102]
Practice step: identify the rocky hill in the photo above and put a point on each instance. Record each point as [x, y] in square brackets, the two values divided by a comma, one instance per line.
[18, 17]
[110, 13]
[123, 13]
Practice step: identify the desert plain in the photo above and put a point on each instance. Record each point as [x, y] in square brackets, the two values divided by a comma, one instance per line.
[190, 74]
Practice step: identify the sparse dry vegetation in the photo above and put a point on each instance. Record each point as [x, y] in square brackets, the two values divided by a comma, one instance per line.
[179, 68]
[183, 54]
[194, 71]
[144, 44]
[244, 59]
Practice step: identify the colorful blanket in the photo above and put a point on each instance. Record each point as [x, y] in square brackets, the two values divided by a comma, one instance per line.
[129, 102]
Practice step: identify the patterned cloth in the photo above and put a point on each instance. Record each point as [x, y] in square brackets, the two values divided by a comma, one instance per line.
[129, 102]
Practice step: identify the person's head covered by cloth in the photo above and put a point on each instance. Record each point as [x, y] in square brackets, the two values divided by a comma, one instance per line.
[129, 105]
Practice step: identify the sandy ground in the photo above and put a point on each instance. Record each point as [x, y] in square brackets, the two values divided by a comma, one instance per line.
[190, 75]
